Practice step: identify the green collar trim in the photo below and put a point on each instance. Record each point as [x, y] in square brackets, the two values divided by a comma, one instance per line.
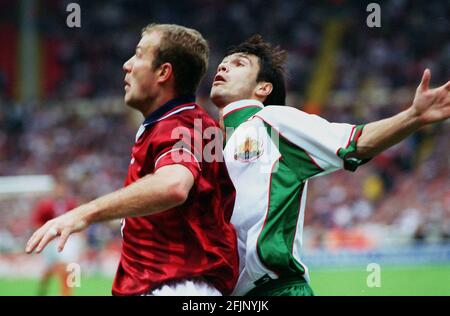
[239, 116]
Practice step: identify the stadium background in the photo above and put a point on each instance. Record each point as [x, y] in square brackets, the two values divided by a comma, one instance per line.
[62, 120]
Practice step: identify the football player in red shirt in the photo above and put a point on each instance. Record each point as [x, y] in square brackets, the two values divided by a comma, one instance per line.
[177, 236]
[56, 263]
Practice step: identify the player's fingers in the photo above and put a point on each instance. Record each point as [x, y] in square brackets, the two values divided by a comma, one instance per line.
[51, 234]
[443, 95]
[63, 239]
[425, 83]
[31, 244]
[447, 86]
[35, 239]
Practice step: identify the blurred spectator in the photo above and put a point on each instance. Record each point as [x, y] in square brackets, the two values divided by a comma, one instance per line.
[56, 262]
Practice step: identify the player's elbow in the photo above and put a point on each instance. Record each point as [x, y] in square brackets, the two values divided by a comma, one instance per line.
[178, 192]
[177, 182]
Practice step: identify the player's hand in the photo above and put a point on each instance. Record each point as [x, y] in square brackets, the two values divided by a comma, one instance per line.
[63, 226]
[431, 105]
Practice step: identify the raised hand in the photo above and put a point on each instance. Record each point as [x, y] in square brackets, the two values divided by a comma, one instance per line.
[431, 105]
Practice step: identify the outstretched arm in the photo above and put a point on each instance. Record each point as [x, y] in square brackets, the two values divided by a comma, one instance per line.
[168, 187]
[429, 106]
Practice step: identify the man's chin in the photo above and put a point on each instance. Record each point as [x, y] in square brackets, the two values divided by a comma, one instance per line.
[218, 99]
[130, 102]
[127, 102]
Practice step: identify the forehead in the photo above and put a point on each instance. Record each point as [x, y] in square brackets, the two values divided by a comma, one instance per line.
[253, 59]
[149, 40]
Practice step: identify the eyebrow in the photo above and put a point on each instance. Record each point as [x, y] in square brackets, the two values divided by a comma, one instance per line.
[242, 55]
[238, 55]
[139, 47]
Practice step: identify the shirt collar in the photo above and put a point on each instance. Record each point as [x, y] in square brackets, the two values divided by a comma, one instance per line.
[235, 113]
[159, 113]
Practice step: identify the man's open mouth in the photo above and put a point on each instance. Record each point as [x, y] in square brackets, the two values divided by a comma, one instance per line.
[219, 78]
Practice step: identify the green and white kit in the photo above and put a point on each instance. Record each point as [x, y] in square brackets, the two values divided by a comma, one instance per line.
[270, 153]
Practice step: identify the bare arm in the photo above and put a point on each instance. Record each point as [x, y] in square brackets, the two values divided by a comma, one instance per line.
[429, 106]
[168, 187]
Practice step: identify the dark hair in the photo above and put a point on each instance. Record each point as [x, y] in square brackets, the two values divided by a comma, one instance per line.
[271, 66]
[186, 50]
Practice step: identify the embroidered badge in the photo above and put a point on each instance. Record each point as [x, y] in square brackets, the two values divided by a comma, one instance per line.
[249, 150]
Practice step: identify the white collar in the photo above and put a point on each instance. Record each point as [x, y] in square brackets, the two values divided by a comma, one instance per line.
[237, 105]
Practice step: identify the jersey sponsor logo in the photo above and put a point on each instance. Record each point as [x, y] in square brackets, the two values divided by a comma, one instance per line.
[250, 149]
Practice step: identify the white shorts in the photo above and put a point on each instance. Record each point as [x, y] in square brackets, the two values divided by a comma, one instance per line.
[185, 288]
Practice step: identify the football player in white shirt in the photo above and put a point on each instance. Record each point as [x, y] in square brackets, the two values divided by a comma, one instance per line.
[272, 151]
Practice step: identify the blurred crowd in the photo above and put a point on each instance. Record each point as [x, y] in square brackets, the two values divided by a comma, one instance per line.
[88, 60]
[401, 196]
[87, 155]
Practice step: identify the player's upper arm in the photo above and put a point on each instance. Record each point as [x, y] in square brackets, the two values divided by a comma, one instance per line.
[177, 179]
[327, 144]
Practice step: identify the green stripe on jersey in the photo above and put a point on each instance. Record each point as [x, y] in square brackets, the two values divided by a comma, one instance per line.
[351, 163]
[276, 241]
[236, 118]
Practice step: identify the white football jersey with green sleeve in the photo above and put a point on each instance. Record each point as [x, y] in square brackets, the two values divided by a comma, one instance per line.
[270, 154]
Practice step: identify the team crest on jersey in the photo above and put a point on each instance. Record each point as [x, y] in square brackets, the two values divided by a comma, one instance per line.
[248, 150]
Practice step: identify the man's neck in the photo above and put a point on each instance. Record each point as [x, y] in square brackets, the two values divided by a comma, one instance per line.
[221, 124]
[157, 103]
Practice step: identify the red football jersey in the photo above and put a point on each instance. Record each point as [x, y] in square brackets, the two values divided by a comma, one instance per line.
[194, 240]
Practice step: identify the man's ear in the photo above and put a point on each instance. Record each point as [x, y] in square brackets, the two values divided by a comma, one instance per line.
[165, 72]
[263, 89]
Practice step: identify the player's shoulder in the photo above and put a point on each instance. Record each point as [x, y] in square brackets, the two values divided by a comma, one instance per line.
[283, 113]
[281, 110]
[207, 119]
[195, 117]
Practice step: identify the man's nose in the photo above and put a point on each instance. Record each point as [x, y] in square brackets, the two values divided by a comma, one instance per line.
[222, 67]
[127, 65]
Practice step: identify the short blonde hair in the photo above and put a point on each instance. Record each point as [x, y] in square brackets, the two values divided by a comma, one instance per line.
[186, 50]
